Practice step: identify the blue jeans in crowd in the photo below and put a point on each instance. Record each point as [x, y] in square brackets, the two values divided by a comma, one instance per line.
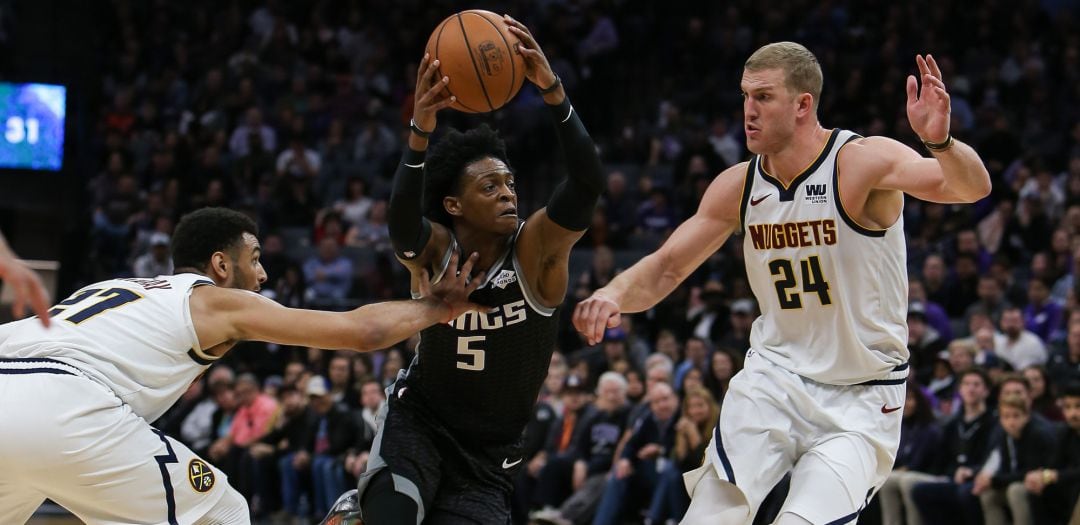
[670, 499]
[328, 479]
[641, 482]
[290, 485]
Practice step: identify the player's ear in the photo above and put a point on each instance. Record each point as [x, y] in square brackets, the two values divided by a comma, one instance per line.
[805, 104]
[219, 266]
[452, 205]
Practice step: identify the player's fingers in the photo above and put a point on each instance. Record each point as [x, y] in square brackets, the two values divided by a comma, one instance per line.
[599, 323]
[944, 95]
[444, 103]
[452, 266]
[912, 90]
[525, 36]
[933, 81]
[421, 70]
[474, 283]
[934, 69]
[581, 318]
[466, 269]
[921, 62]
[19, 307]
[431, 71]
[614, 320]
[578, 316]
[39, 303]
[527, 53]
[433, 86]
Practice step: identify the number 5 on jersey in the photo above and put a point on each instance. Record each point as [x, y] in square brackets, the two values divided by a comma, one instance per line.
[470, 358]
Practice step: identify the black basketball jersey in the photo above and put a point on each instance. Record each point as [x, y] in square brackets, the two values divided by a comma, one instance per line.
[480, 373]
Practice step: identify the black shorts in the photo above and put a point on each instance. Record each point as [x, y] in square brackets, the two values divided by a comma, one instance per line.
[451, 481]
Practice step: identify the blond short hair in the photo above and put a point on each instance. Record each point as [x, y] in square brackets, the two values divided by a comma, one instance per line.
[802, 72]
[1015, 402]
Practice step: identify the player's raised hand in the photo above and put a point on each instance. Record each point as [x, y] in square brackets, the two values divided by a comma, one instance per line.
[594, 315]
[537, 68]
[454, 287]
[430, 95]
[928, 105]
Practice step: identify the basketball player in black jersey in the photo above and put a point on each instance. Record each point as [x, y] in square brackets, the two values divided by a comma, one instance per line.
[450, 436]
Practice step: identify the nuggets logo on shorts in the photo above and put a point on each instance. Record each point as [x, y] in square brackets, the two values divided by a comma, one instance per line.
[201, 475]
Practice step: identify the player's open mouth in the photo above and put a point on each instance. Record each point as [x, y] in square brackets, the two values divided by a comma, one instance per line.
[512, 212]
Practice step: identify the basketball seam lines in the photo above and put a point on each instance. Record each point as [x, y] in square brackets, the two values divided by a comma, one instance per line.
[476, 67]
[513, 73]
[442, 27]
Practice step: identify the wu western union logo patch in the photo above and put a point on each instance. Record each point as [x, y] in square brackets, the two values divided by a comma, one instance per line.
[201, 475]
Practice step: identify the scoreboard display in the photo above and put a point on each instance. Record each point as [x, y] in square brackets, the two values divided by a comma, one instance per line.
[32, 125]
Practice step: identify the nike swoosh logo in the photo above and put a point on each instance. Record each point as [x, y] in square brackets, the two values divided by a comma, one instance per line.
[757, 200]
[886, 410]
[511, 464]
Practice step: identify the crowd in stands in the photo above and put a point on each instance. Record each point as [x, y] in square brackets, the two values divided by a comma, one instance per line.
[295, 112]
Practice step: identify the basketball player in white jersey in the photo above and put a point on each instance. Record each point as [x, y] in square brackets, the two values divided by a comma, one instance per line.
[75, 398]
[822, 391]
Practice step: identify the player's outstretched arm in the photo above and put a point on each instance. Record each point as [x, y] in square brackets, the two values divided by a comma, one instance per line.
[416, 241]
[29, 291]
[955, 174]
[644, 284]
[222, 315]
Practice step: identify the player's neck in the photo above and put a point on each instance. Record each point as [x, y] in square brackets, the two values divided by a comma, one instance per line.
[490, 246]
[799, 153]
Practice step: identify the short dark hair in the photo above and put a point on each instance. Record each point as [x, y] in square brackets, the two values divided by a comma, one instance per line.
[203, 232]
[446, 164]
[1071, 389]
[978, 372]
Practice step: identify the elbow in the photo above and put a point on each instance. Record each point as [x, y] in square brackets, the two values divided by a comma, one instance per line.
[983, 188]
[370, 338]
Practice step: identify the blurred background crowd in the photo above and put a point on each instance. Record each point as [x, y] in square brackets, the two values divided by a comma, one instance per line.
[296, 113]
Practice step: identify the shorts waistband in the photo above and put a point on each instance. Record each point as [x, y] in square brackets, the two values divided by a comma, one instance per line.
[36, 365]
[897, 376]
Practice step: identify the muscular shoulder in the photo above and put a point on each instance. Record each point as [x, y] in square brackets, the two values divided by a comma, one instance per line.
[725, 193]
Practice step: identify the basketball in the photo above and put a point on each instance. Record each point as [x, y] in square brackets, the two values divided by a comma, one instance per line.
[477, 52]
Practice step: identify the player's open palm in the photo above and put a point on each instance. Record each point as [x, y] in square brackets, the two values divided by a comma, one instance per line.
[928, 105]
[454, 287]
[594, 315]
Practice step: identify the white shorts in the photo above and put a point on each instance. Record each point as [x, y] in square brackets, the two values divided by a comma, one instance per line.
[70, 439]
[838, 442]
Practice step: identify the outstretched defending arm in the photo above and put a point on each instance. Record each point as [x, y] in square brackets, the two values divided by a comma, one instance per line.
[222, 315]
[651, 279]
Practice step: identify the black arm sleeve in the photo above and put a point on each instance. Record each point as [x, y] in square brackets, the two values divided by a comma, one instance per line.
[572, 203]
[409, 230]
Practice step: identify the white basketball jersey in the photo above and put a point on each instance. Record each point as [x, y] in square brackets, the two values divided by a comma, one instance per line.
[134, 336]
[832, 293]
